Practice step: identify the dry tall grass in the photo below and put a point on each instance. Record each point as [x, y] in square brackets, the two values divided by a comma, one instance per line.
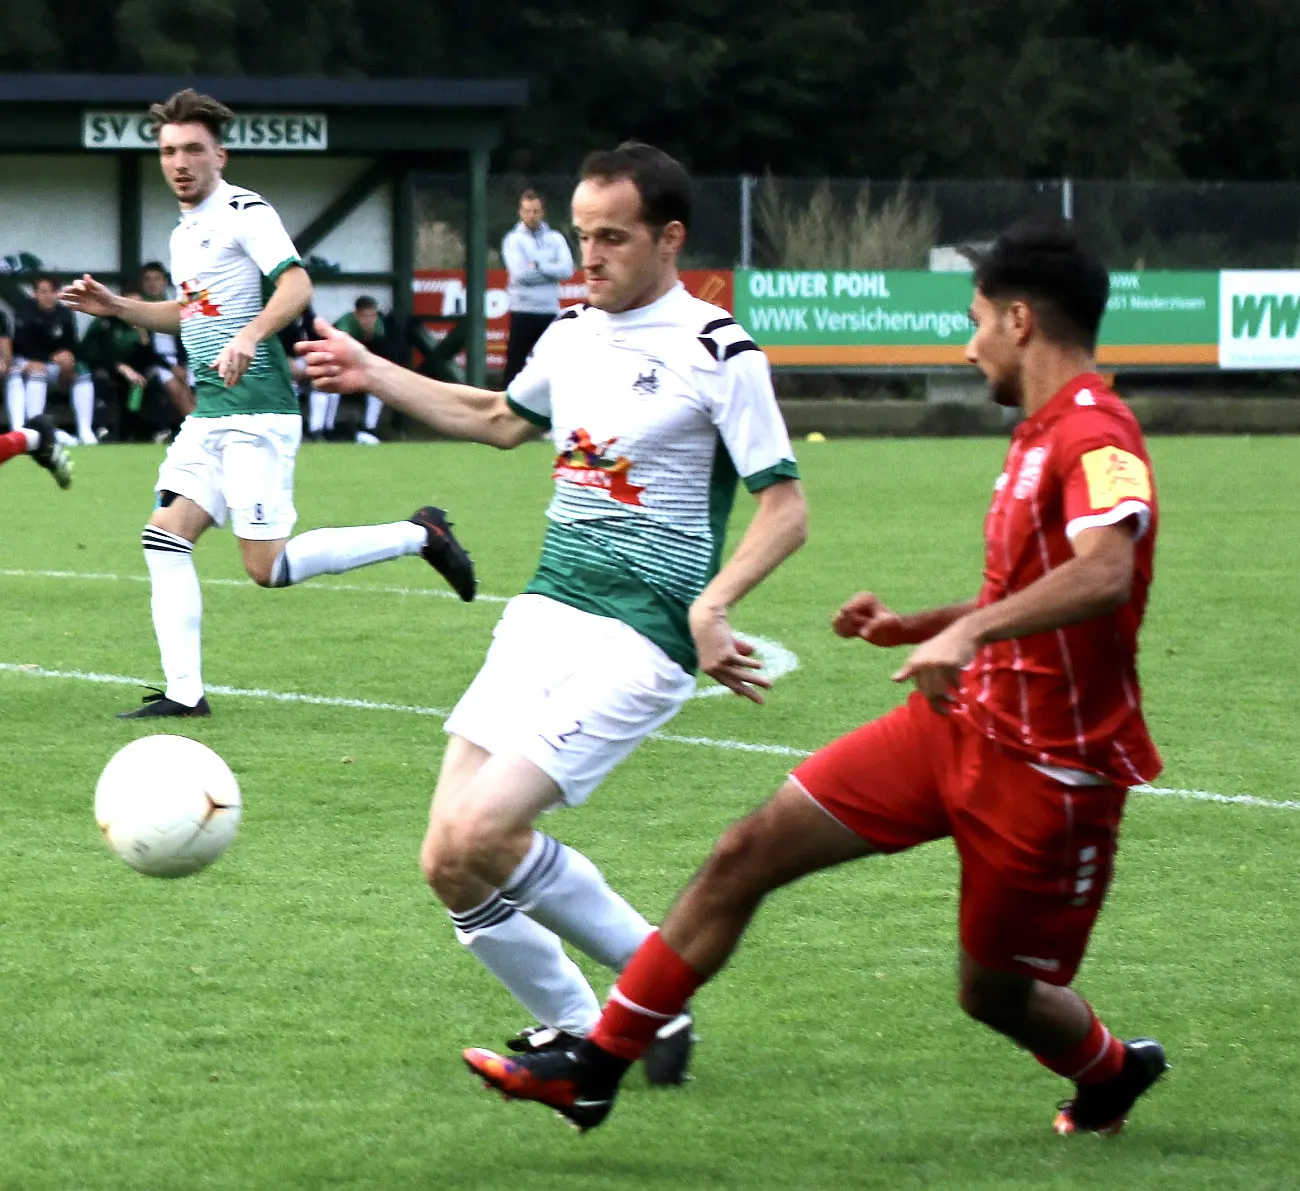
[438, 245]
[831, 230]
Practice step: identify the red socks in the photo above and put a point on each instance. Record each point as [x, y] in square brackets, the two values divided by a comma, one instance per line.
[1099, 1057]
[11, 444]
[653, 989]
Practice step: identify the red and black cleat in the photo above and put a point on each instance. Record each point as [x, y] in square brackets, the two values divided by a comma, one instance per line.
[1104, 1107]
[557, 1078]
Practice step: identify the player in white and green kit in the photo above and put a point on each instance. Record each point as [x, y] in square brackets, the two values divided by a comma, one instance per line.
[240, 281]
[658, 404]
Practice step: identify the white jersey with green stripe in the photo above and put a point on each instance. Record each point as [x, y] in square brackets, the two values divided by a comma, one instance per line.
[226, 254]
[656, 413]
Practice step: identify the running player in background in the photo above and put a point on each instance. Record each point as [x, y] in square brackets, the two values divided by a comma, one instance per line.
[1020, 743]
[38, 440]
[657, 404]
[234, 456]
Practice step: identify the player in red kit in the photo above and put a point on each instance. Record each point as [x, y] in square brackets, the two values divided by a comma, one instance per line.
[38, 440]
[1020, 742]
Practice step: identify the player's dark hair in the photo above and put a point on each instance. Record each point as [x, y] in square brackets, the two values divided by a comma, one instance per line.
[190, 107]
[662, 181]
[153, 267]
[365, 302]
[1043, 263]
[530, 196]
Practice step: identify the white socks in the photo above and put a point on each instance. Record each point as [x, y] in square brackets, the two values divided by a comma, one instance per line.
[83, 405]
[530, 961]
[25, 399]
[16, 401]
[554, 893]
[37, 387]
[374, 407]
[177, 611]
[565, 892]
[178, 603]
[322, 409]
[334, 551]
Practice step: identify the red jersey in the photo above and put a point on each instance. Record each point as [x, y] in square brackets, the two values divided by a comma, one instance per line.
[1068, 697]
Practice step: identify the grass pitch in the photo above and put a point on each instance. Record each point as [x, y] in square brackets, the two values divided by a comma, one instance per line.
[292, 1018]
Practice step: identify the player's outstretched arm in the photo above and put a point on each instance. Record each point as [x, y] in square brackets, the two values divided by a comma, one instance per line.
[1097, 580]
[866, 617]
[337, 363]
[92, 297]
[778, 529]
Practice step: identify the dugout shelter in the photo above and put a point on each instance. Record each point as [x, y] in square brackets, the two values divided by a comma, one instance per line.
[80, 187]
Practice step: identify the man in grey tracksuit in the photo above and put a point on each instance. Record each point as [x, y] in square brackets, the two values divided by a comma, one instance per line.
[538, 259]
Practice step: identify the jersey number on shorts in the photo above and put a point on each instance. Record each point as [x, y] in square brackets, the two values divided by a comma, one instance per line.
[557, 739]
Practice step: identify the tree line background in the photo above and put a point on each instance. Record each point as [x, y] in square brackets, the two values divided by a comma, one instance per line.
[1201, 89]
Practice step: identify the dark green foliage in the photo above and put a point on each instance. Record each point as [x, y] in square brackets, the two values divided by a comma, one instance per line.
[886, 88]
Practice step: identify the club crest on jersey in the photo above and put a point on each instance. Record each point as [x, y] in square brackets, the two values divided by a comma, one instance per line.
[1031, 472]
[197, 299]
[591, 465]
[647, 383]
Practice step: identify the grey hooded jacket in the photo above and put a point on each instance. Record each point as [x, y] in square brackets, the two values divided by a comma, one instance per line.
[537, 262]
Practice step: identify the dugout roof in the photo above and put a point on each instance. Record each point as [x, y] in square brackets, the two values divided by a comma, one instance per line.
[402, 125]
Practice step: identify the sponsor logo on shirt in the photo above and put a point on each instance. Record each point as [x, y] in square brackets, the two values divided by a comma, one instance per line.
[591, 465]
[1114, 475]
[1031, 472]
[647, 383]
[196, 299]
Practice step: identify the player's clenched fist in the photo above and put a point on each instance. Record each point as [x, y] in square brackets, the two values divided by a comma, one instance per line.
[866, 617]
[336, 363]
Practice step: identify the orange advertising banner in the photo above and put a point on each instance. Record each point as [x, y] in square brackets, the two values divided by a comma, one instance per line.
[440, 295]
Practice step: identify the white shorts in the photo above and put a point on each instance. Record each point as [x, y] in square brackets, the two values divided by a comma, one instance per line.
[572, 692]
[238, 467]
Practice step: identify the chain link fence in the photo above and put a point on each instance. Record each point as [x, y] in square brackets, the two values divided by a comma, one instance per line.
[767, 222]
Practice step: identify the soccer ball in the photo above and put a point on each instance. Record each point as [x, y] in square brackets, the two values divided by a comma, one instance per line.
[167, 805]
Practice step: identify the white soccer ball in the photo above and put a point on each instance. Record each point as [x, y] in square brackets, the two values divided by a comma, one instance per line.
[167, 805]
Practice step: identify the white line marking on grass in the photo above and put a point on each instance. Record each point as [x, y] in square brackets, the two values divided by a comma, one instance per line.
[311, 585]
[777, 660]
[741, 746]
[1282, 804]
[236, 691]
[33, 671]
[737, 746]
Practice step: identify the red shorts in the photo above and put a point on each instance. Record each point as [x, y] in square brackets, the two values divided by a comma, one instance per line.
[1036, 854]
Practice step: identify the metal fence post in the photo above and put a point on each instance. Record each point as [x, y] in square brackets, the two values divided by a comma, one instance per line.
[1067, 199]
[747, 221]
